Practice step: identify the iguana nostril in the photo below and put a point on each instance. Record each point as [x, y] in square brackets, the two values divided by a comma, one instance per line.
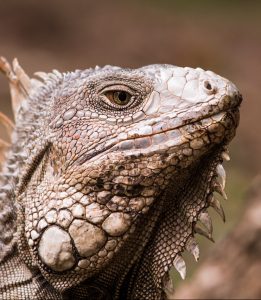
[209, 87]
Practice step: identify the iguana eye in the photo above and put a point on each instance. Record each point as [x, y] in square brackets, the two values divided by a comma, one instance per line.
[118, 97]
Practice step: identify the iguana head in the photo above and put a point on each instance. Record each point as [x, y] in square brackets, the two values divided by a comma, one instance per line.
[116, 156]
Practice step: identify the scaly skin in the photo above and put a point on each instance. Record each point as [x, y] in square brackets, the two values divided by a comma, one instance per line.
[110, 186]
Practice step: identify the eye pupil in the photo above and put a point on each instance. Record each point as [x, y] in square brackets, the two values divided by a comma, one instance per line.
[122, 96]
[118, 97]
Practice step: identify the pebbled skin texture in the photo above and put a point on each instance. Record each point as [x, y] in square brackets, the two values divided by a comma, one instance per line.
[107, 196]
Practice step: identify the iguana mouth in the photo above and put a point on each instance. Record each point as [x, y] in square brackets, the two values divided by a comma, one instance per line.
[168, 136]
[163, 129]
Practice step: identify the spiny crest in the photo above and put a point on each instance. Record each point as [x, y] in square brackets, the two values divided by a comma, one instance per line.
[9, 127]
[28, 96]
[28, 101]
[23, 88]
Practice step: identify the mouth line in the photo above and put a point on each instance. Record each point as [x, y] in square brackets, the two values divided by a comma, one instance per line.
[89, 156]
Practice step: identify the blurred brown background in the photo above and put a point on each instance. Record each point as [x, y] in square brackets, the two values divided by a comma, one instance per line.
[223, 36]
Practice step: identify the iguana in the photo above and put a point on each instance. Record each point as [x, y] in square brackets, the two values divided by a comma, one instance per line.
[109, 173]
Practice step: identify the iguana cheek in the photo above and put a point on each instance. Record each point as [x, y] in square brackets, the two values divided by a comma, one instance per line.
[55, 249]
[56, 245]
